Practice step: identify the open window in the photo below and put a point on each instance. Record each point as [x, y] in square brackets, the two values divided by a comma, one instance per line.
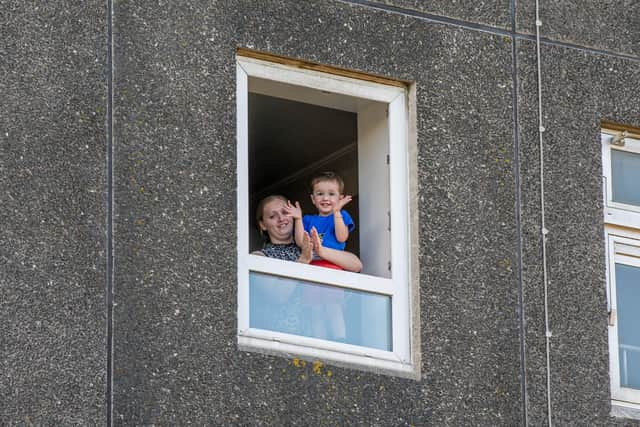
[621, 175]
[297, 119]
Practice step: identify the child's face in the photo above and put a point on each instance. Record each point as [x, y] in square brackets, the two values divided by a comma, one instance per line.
[325, 196]
[276, 223]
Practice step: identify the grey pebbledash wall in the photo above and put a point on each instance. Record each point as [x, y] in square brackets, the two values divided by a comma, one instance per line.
[171, 150]
[53, 101]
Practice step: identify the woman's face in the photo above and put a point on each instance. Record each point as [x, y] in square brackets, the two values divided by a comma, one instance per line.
[278, 226]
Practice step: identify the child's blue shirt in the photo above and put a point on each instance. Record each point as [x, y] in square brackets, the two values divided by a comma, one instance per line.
[326, 228]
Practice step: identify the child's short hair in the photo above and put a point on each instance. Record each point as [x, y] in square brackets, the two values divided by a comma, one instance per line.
[328, 176]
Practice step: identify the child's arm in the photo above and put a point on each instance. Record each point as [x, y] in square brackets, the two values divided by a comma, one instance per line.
[342, 231]
[345, 260]
[295, 212]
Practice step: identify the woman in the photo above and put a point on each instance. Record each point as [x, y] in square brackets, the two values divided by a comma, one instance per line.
[272, 218]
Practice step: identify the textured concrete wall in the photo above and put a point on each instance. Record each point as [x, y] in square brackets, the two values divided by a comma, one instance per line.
[606, 25]
[496, 13]
[53, 97]
[174, 315]
[175, 326]
[579, 90]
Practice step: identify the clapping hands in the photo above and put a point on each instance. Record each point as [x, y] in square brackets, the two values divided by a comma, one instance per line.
[311, 243]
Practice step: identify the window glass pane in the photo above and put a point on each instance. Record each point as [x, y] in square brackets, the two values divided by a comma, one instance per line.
[628, 300]
[301, 308]
[625, 169]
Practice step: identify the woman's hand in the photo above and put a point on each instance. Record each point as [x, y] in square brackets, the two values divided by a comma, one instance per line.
[294, 211]
[306, 249]
[316, 243]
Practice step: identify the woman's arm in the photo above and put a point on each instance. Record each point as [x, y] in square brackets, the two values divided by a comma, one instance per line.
[345, 260]
[295, 212]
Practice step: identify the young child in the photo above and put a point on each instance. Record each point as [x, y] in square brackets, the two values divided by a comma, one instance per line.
[332, 223]
[329, 231]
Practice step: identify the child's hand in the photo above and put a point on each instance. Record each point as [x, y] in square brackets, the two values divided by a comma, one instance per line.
[342, 203]
[294, 212]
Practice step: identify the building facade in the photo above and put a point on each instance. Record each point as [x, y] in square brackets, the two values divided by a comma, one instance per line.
[119, 278]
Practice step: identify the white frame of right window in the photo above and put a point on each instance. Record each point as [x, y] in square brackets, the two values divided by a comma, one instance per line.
[622, 239]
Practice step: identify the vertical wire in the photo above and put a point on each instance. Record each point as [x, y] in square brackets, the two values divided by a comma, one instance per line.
[109, 225]
[542, 215]
[518, 201]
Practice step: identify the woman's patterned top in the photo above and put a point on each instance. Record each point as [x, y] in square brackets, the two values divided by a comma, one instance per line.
[287, 251]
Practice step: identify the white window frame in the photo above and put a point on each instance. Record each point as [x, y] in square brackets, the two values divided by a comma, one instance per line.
[404, 360]
[614, 212]
[622, 239]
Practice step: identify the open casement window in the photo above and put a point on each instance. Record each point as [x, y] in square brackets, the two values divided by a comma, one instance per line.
[295, 120]
[621, 175]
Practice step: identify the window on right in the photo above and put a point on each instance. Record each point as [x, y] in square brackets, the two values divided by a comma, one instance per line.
[621, 185]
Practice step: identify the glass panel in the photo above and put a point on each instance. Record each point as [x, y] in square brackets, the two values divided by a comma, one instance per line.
[302, 308]
[628, 300]
[625, 170]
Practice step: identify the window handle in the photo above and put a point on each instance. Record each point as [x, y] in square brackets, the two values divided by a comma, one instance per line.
[619, 139]
[612, 317]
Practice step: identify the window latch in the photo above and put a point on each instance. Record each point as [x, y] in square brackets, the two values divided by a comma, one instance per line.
[612, 317]
[619, 139]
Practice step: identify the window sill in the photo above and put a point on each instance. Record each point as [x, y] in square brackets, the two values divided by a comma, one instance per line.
[252, 341]
[628, 410]
[623, 217]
